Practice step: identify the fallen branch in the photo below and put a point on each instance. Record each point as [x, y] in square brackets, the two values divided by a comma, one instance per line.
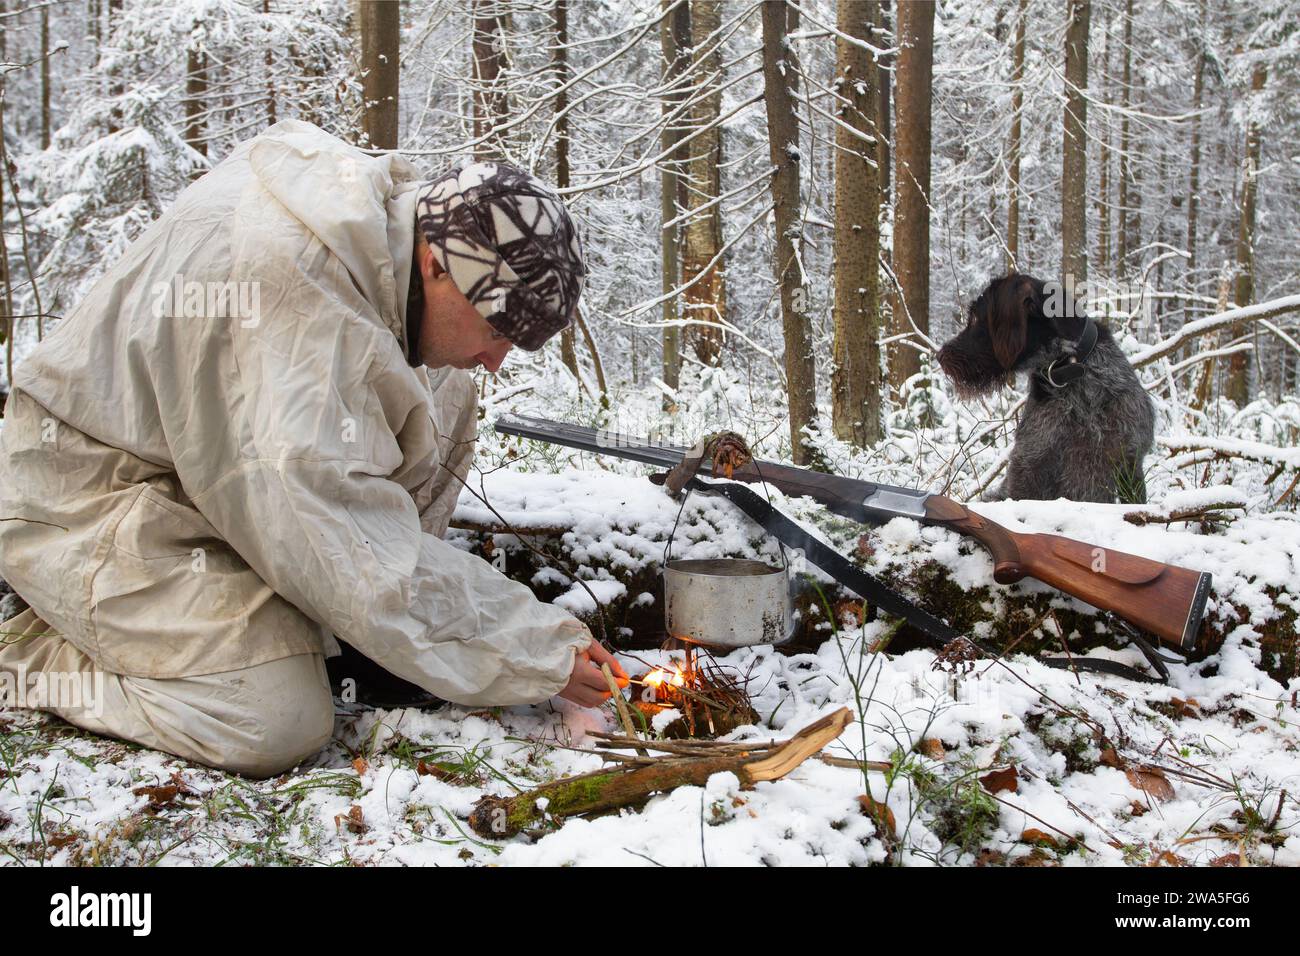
[1214, 511]
[628, 784]
[1234, 448]
[1211, 323]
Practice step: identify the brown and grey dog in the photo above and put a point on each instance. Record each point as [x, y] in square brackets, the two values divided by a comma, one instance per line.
[1087, 424]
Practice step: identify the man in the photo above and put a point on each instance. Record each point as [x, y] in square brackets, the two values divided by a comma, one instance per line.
[250, 438]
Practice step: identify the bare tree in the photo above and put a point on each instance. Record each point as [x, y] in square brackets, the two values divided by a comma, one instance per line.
[1013, 150]
[1123, 240]
[674, 44]
[780, 79]
[196, 88]
[912, 102]
[381, 32]
[855, 371]
[490, 101]
[1237, 387]
[706, 296]
[1074, 149]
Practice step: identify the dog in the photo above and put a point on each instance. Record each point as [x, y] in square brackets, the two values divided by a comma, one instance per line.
[1087, 424]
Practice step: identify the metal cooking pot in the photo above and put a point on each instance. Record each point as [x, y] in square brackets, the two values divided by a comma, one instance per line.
[727, 602]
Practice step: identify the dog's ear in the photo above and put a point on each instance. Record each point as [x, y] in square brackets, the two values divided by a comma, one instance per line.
[1015, 301]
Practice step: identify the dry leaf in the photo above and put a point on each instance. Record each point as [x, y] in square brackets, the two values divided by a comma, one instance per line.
[1039, 838]
[158, 796]
[881, 814]
[1001, 781]
[1151, 781]
[1228, 859]
[353, 818]
[1109, 758]
[987, 857]
[1185, 708]
[1168, 859]
[360, 766]
[1137, 808]
[932, 748]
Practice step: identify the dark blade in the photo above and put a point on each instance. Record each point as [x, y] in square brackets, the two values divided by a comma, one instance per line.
[862, 501]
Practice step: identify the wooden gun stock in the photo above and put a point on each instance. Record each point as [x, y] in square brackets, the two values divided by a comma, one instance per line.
[1166, 600]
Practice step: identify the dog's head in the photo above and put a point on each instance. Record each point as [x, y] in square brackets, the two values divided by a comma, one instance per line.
[1007, 331]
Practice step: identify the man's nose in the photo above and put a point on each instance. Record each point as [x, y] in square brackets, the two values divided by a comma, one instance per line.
[493, 357]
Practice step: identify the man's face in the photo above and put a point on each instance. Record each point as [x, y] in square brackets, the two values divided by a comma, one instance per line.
[453, 332]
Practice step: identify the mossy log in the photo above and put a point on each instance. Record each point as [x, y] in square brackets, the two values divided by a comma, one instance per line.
[629, 784]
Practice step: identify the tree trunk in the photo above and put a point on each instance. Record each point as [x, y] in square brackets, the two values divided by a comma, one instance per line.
[674, 44]
[271, 110]
[381, 33]
[780, 84]
[1238, 386]
[489, 49]
[882, 38]
[1013, 152]
[1194, 176]
[706, 299]
[912, 183]
[115, 88]
[1074, 150]
[1103, 162]
[196, 88]
[856, 384]
[560, 68]
[45, 77]
[1122, 240]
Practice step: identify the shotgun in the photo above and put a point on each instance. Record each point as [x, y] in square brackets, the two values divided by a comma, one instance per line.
[1162, 599]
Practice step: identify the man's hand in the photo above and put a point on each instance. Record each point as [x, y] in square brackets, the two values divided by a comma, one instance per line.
[587, 686]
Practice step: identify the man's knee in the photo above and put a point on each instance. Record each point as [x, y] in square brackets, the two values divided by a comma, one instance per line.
[258, 721]
[287, 716]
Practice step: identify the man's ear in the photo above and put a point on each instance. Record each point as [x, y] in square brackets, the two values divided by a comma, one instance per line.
[430, 269]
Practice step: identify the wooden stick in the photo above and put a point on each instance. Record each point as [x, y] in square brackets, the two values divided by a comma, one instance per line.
[621, 706]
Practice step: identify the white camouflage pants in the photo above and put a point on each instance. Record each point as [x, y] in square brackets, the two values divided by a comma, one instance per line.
[258, 721]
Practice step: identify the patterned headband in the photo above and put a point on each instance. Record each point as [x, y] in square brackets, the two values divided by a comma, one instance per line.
[508, 243]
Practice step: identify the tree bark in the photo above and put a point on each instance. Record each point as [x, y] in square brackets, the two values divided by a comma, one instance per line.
[1074, 150]
[706, 298]
[912, 184]
[856, 384]
[490, 105]
[560, 68]
[881, 37]
[45, 77]
[1013, 151]
[196, 88]
[1238, 386]
[780, 83]
[271, 110]
[1122, 240]
[1194, 175]
[674, 44]
[381, 32]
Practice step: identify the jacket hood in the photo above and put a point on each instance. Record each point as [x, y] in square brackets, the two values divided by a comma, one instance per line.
[361, 207]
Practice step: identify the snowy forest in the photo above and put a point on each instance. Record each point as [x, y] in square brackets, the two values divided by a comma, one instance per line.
[787, 208]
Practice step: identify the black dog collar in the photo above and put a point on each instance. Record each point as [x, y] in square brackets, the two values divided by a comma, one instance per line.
[1067, 369]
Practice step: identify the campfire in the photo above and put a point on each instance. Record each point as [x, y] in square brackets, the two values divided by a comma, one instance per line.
[710, 698]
